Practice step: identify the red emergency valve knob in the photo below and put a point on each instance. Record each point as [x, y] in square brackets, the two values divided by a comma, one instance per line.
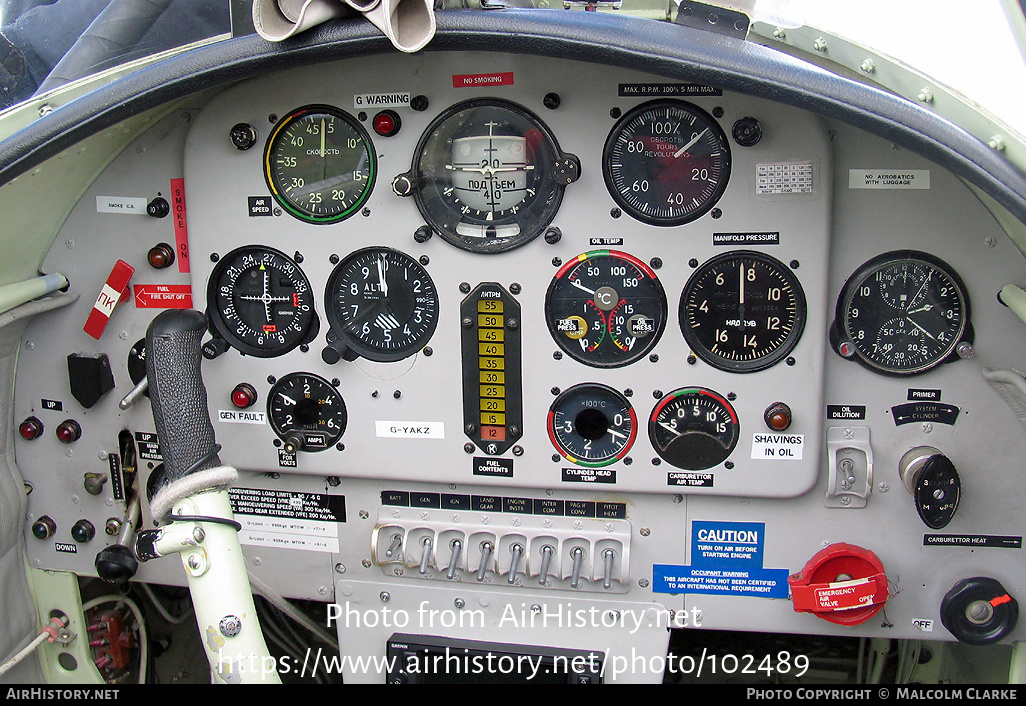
[843, 584]
[68, 431]
[387, 123]
[31, 429]
[777, 416]
[244, 395]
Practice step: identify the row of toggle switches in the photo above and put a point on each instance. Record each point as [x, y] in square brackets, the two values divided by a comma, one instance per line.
[530, 552]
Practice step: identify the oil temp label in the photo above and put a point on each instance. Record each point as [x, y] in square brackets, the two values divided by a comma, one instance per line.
[777, 447]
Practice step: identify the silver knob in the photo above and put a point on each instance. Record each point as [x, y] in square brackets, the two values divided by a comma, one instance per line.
[546, 553]
[425, 557]
[457, 548]
[578, 556]
[607, 571]
[486, 555]
[518, 552]
[397, 541]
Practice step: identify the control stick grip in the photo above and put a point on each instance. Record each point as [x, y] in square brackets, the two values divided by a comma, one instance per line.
[177, 394]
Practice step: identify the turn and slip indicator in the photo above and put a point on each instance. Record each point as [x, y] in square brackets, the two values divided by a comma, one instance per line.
[491, 352]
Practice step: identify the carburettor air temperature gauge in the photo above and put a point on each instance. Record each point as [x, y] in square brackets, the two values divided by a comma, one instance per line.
[592, 425]
[693, 428]
[319, 164]
[666, 162]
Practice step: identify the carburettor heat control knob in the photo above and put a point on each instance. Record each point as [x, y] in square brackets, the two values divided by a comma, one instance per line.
[979, 611]
[934, 483]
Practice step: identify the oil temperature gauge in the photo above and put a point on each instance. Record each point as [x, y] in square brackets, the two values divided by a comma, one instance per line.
[592, 425]
[693, 428]
[306, 412]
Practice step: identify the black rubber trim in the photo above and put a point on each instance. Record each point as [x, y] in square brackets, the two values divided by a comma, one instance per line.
[661, 48]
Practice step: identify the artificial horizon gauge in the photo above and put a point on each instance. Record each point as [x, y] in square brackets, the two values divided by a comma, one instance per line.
[693, 428]
[488, 175]
[605, 308]
[260, 302]
[902, 313]
[306, 412]
[592, 425]
[381, 304]
[319, 164]
[666, 162]
[742, 311]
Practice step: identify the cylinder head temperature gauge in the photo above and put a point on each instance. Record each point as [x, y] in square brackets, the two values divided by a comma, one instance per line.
[592, 425]
[693, 428]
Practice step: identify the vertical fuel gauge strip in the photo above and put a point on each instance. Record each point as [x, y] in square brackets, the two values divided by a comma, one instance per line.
[492, 370]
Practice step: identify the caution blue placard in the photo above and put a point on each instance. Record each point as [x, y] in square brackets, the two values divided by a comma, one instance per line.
[727, 544]
[763, 583]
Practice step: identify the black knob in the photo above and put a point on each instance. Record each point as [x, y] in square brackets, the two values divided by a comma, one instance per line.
[937, 491]
[747, 132]
[979, 611]
[214, 347]
[116, 564]
[158, 208]
[243, 136]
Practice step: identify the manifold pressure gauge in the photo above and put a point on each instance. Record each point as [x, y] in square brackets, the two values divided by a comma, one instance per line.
[902, 313]
[381, 304]
[666, 162]
[592, 425]
[319, 164]
[306, 412]
[488, 175]
[260, 301]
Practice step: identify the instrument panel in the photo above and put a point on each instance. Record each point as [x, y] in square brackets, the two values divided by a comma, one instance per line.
[590, 313]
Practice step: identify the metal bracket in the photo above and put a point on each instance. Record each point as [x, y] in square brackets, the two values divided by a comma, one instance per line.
[720, 20]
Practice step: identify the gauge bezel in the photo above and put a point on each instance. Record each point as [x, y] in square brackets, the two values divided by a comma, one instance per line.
[277, 192]
[562, 169]
[283, 433]
[781, 350]
[359, 346]
[560, 340]
[707, 203]
[719, 400]
[215, 316]
[840, 331]
[578, 389]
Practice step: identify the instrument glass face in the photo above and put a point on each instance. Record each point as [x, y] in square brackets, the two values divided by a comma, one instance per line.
[320, 164]
[260, 301]
[382, 303]
[742, 311]
[306, 408]
[666, 162]
[592, 425]
[903, 312]
[605, 308]
[489, 175]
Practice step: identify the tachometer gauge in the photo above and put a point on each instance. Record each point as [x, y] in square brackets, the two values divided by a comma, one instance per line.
[260, 302]
[592, 425]
[381, 304]
[488, 175]
[666, 162]
[306, 412]
[902, 313]
[693, 428]
[319, 164]
[742, 311]
[605, 308]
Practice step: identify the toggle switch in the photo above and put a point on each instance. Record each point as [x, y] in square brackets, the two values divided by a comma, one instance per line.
[547, 553]
[517, 550]
[454, 558]
[608, 556]
[425, 556]
[577, 554]
[393, 548]
[486, 554]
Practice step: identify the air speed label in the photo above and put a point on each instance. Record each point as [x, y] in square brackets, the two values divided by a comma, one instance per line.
[777, 447]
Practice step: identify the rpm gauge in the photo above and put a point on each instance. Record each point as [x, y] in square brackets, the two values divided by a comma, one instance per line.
[742, 311]
[306, 412]
[488, 175]
[666, 162]
[592, 425]
[605, 308]
[319, 164]
[260, 301]
[381, 304]
[902, 313]
[693, 428]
